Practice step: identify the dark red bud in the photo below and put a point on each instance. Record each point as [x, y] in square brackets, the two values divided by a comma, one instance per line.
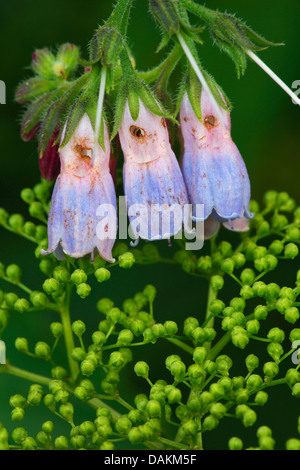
[49, 161]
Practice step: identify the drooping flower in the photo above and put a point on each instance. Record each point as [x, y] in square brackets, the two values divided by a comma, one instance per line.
[153, 182]
[213, 169]
[83, 207]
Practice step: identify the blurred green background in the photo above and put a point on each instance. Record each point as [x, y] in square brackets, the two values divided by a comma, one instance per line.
[265, 127]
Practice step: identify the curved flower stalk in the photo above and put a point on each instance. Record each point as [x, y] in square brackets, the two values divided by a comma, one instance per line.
[153, 183]
[83, 193]
[213, 169]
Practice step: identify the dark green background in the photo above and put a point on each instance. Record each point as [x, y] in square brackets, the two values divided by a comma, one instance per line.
[265, 126]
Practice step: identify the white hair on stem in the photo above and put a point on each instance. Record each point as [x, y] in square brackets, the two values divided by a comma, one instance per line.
[99, 110]
[200, 75]
[273, 75]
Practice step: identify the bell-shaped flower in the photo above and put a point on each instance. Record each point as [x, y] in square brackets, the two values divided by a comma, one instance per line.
[213, 169]
[153, 183]
[83, 208]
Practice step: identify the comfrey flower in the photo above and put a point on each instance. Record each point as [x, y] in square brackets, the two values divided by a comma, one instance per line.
[83, 207]
[153, 182]
[213, 169]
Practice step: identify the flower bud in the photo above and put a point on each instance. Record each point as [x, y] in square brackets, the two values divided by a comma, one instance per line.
[261, 398]
[259, 288]
[16, 221]
[61, 274]
[102, 274]
[292, 444]
[21, 344]
[171, 328]
[292, 315]
[21, 305]
[38, 299]
[217, 410]
[61, 443]
[126, 260]
[125, 337]
[199, 355]
[254, 381]
[271, 369]
[247, 276]
[296, 390]
[276, 335]
[253, 327]
[252, 362]
[235, 444]
[239, 337]
[150, 293]
[246, 292]
[210, 423]
[17, 414]
[260, 312]
[249, 418]
[291, 251]
[141, 369]
[42, 350]
[67, 411]
[78, 328]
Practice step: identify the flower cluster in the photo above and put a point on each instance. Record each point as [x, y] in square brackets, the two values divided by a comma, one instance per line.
[197, 389]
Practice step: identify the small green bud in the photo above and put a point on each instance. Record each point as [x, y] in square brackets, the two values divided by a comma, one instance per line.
[217, 282]
[273, 290]
[78, 354]
[123, 425]
[249, 418]
[235, 444]
[17, 414]
[17, 401]
[171, 328]
[99, 338]
[21, 344]
[48, 427]
[141, 369]
[276, 247]
[238, 304]
[199, 355]
[275, 350]
[239, 337]
[259, 288]
[254, 381]
[266, 443]
[150, 293]
[67, 411]
[173, 394]
[158, 330]
[19, 435]
[57, 329]
[87, 367]
[49, 401]
[117, 360]
[78, 328]
[114, 315]
[271, 369]
[153, 408]
[239, 260]
[291, 251]
[34, 397]
[3, 216]
[247, 276]
[126, 260]
[292, 315]
[260, 312]
[246, 292]
[43, 439]
[10, 298]
[204, 263]
[125, 337]
[14, 273]
[227, 265]
[261, 398]
[292, 444]
[135, 436]
[217, 410]
[242, 396]
[58, 373]
[253, 327]
[276, 335]
[210, 423]
[252, 362]
[36, 210]
[16, 221]
[216, 307]
[61, 274]
[42, 350]
[51, 285]
[178, 370]
[21, 305]
[102, 274]
[38, 299]
[295, 335]
[296, 390]
[83, 290]
[61, 443]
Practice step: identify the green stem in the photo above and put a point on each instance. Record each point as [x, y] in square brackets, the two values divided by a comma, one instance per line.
[24, 374]
[68, 334]
[181, 345]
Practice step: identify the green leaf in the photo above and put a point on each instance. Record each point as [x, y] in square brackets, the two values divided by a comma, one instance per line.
[194, 90]
[119, 109]
[134, 104]
[56, 111]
